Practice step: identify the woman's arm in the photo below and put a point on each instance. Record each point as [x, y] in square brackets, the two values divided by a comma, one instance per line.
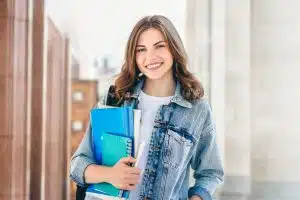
[120, 175]
[82, 159]
[206, 162]
[84, 170]
[97, 174]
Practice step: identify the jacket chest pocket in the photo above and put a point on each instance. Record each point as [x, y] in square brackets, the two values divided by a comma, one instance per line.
[177, 147]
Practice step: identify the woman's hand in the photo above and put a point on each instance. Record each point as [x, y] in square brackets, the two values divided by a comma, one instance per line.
[123, 176]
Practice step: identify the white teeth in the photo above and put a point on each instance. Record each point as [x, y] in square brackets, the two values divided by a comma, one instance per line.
[153, 66]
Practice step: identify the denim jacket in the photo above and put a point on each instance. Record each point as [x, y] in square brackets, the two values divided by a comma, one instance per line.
[183, 137]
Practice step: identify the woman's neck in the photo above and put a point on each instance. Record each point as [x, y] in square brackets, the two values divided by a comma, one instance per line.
[160, 87]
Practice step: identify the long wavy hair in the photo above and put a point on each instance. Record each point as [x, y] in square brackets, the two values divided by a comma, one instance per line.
[191, 88]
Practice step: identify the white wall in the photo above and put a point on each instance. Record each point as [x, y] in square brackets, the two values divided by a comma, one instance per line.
[275, 99]
[262, 91]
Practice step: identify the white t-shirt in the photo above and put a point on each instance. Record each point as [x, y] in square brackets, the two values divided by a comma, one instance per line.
[149, 106]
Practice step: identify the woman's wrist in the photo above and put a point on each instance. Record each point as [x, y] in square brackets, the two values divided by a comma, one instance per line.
[98, 174]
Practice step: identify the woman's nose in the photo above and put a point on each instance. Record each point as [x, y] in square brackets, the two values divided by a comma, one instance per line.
[150, 55]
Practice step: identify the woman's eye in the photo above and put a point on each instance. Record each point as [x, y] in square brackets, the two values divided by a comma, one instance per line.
[160, 46]
[140, 50]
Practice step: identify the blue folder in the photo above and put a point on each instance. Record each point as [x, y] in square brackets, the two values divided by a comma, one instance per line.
[112, 120]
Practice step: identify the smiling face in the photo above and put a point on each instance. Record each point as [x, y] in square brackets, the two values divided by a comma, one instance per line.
[153, 56]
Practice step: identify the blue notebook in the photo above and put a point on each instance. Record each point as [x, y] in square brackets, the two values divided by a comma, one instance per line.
[113, 137]
[114, 147]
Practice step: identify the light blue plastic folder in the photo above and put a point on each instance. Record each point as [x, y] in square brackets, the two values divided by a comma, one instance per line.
[114, 147]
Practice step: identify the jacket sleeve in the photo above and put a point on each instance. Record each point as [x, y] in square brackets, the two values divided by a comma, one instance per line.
[206, 161]
[84, 156]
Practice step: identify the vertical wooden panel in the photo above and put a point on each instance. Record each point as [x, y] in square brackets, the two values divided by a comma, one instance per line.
[66, 112]
[38, 116]
[19, 110]
[51, 129]
[55, 137]
[35, 116]
[3, 9]
[16, 9]
[5, 107]
[14, 22]
[38, 109]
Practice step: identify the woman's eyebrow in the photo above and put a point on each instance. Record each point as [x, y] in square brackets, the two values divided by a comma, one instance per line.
[140, 45]
[156, 43]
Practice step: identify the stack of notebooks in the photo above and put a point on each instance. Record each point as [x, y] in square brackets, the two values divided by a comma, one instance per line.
[115, 133]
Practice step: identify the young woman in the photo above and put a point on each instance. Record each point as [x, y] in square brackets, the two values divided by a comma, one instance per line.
[176, 124]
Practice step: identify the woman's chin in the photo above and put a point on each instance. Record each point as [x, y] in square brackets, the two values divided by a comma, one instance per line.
[155, 76]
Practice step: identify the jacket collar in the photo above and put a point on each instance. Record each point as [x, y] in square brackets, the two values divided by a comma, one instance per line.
[177, 98]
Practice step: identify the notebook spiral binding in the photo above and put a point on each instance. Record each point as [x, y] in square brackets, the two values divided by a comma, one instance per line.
[129, 147]
[128, 152]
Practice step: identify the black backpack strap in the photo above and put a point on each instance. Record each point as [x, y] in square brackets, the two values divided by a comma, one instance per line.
[111, 100]
[80, 192]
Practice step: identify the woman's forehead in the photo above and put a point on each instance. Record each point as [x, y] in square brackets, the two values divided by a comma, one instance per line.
[150, 37]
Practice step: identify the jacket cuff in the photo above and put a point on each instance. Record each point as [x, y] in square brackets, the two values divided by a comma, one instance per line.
[199, 191]
[77, 173]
